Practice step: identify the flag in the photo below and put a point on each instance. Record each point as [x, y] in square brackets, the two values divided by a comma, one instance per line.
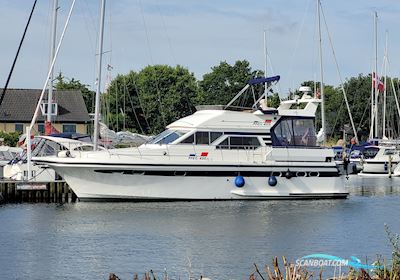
[376, 80]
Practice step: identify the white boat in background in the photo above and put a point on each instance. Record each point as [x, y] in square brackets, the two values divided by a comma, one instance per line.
[256, 153]
[7, 154]
[383, 163]
[17, 168]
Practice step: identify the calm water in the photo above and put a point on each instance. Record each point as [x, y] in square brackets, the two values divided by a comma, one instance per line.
[221, 240]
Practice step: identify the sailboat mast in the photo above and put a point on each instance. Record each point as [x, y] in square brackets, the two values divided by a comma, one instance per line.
[98, 80]
[265, 66]
[53, 37]
[375, 97]
[384, 90]
[323, 126]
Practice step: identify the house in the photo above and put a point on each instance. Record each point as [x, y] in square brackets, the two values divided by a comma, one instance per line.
[69, 111]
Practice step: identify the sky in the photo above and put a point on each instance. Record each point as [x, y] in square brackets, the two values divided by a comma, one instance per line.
[198, 35]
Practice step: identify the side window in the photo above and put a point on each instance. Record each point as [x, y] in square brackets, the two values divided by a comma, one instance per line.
[188, 140]
[235, 142]
[244, 143]
[224, 144]
[214, 136]
[202, 138]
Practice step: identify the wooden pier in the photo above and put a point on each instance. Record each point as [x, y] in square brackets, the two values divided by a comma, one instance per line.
[48, 192]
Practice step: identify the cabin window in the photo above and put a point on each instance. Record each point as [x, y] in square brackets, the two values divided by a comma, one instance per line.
[19, 127]
[202, 138]
[224, 144]
[238, 142]
[188, 140]
[390, 152]
[71, 128]
[168, 136]
[214, 136]
[243, 142]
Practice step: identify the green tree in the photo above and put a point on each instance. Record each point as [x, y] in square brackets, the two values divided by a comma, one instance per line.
[224, 81]
[153, 98]
[62, 83]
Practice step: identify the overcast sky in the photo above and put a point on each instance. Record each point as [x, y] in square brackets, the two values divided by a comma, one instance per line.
[198, 35]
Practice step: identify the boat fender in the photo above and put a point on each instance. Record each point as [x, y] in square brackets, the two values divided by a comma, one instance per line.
[386, 166]
[272, 181]
[239, 181]
[288, 174]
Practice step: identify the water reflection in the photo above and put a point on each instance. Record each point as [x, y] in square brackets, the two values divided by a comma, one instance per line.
[222, 240]
[373, 186]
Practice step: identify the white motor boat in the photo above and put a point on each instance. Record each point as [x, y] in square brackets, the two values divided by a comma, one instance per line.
[219, 154]
[17, 169]
[382, 164]
[7, 154]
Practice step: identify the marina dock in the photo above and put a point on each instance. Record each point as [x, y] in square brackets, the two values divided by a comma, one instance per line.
[48, 192]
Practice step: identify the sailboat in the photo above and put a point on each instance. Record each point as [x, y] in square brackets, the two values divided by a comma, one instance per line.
[388, 155]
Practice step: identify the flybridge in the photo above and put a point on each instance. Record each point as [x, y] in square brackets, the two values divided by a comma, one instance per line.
[248, 100]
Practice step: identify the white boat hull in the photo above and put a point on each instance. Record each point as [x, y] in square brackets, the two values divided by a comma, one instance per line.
[372, 167]
[91, 185]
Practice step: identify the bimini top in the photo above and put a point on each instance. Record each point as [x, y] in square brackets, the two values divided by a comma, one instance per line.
[263, 80]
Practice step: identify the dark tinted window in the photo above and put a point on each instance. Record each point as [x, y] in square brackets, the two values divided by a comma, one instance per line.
[202, 137]
[243, 142]
[188, 140]
[214, 136]
[236, 142]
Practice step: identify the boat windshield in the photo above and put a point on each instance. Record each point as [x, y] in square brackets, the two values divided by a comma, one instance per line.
[389, 152]
[168, 136]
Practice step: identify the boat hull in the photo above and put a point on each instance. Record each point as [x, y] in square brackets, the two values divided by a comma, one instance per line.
[377, 167]
[89, 184]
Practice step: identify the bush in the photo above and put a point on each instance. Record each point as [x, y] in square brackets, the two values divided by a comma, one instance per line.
[11, 138]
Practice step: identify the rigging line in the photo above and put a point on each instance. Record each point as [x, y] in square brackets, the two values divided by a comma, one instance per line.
[290, 75]
[339, 74]
[336, 120]
[166, 33]
[277, 85]
[363, 115]
[152, 62]
[87, 27]
[140, 102]
[394, 89]
[133, 107]
[17, 54]
[93, 27]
